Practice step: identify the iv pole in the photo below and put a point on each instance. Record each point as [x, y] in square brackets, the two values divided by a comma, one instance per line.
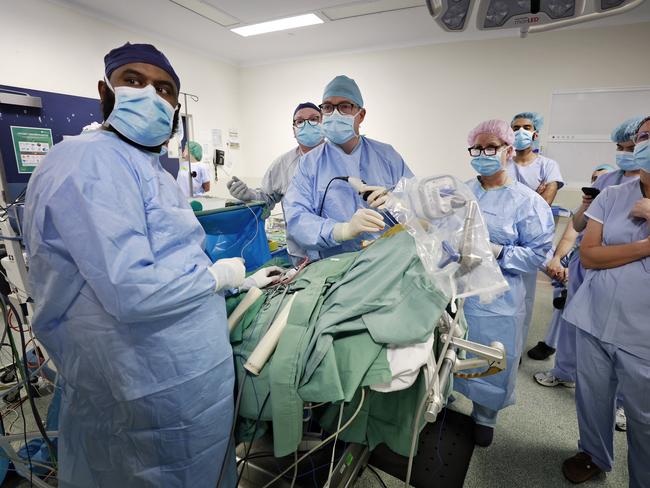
[187, 140]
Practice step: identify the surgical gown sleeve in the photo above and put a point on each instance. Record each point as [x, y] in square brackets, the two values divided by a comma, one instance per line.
[308, 229]
[535, 230]
[105, 222]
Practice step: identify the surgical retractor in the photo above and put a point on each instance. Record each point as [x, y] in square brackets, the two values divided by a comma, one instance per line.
[266, 346]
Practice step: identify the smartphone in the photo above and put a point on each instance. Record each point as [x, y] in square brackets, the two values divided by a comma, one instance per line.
[590, 191]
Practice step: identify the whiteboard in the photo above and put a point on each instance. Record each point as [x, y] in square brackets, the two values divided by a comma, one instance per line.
[580, 124]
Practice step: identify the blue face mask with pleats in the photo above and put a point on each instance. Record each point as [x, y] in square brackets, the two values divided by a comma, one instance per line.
[523, 139]
[642, 156]
[338, 128]
[625, 161]
[141, 115]
[309, 135]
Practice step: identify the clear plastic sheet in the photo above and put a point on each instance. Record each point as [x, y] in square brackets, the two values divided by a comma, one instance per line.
[452, 241]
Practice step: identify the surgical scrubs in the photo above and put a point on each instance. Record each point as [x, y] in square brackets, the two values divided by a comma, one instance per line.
[520, 220]
[565, 355]
[127, 309]
[315, 202]
[541, 170]
[611, 311]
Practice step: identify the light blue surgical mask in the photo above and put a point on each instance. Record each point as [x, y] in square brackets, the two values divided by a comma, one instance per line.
[523, 139]
[141, 115]
[642, 156]
[309, 135]
[338, 128]
[625, 161]
[487, 165]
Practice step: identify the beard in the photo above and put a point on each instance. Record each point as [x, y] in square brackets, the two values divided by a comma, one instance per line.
[108, 103]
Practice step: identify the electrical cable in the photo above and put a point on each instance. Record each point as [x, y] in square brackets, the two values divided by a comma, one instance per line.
[420, 410]
[295, 469]
[25, 369]
[250, 445]
[338, 429]
[324, 442]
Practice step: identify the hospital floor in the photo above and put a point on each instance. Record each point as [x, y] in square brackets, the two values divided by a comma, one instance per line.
[533, 436]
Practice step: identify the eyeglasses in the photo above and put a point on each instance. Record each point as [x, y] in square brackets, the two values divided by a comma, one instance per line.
[344, 108]
[300, 123]
[488, 151]
[641, 137]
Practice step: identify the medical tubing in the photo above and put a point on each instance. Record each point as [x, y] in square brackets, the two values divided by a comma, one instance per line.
[257, 225]
[265, 347]
[338, 428]
[250, 444]
[249, 299]
[231, 437]
[321, 444]
[322, 202]
[295, 469]
[420, 410]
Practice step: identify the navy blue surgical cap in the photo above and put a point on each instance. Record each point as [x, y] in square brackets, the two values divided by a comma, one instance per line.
[306, 105]
[138, 53]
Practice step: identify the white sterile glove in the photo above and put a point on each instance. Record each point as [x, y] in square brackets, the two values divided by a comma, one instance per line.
[378, 197]
[496, 249]
[262, 278]
[363, 220]
[240, 190]
[229, 273]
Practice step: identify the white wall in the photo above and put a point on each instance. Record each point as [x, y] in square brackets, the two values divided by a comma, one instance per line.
[424, 100]
[46, 46]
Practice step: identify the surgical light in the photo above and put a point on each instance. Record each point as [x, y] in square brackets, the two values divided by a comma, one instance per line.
[452, 14]
[278, 25]
[526, 15]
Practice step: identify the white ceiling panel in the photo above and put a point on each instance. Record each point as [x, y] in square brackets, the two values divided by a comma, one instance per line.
[394, 28]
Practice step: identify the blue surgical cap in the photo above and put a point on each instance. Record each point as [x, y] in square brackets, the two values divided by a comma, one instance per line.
[306, 105]
[534, 117]
[344, 87]
[625, 132]
[138, 53]
[601, 167]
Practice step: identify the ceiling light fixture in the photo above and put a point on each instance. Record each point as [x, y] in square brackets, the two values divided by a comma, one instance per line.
[278, 25]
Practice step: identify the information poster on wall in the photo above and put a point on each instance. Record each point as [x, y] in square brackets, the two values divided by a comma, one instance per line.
[31, 145]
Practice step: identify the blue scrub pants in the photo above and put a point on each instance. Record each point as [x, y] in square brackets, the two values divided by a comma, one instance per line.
[602, 370]
[483, 415]
[530, 284]
[553, 334]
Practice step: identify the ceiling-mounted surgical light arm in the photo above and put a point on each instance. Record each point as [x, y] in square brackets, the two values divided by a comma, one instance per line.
[580, 20]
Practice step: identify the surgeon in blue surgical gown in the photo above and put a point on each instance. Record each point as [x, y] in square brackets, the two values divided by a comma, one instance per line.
[325, 215]
[520, 225]
[127, 304]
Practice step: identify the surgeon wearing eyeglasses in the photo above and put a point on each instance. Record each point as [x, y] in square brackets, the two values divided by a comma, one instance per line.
[306, 126]
[325, 215]
[520, 225]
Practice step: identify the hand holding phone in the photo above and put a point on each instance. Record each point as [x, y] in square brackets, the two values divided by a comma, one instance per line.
[590, 191]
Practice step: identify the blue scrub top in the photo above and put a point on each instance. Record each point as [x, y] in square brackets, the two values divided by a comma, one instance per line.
[541, 170]
[612, 304]
[374, 162]
[613, 178]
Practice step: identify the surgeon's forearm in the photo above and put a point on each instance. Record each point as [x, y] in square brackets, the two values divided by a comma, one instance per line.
[521, 260]
[607, 257]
